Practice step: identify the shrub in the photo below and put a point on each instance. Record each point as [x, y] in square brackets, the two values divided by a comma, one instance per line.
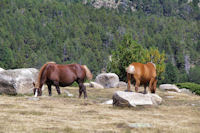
[194, 75]
[191, 86]
[171, 74]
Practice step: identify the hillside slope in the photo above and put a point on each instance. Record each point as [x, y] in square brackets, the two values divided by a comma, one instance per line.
[33, 32]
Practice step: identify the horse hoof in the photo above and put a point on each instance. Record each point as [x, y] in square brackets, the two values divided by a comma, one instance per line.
[128, 90]
[144, 92]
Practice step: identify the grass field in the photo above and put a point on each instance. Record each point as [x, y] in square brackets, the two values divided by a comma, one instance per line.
[179, 113]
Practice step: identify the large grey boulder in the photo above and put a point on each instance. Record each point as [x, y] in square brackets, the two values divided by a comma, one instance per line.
[108, 80]
[128, 99]
[169, 87]
[18, 81]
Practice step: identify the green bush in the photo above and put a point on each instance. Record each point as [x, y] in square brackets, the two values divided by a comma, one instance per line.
[171, 74]
[194, 75]
[191, 86]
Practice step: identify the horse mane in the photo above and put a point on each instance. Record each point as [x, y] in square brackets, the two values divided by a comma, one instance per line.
[41, 72]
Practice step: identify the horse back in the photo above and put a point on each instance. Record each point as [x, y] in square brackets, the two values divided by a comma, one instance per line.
[64, 73]
[144, 71]
[150, 70]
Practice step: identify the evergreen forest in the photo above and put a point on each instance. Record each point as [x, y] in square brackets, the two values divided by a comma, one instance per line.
[33, 32]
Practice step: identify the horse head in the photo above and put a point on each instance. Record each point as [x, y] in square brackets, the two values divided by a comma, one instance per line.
[37, 91]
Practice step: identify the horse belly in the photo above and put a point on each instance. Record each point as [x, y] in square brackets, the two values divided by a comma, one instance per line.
[65, 84]
[67, 80]
[145, 80]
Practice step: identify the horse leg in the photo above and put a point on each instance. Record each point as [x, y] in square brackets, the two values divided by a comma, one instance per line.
[145, 90]
[151, 84]
[80, 91]
[137, 85]
[57, 87]
[49, 89]
[154, 86]
[84, 91]
[82, 88]
[129, 82]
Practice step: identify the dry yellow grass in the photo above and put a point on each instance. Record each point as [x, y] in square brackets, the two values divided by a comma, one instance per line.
[60, 114]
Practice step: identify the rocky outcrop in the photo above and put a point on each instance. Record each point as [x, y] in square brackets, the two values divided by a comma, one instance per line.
[132, 99]
[122, 4]
[107, 80]
[105, 3]
[169, 87]
[18, 81]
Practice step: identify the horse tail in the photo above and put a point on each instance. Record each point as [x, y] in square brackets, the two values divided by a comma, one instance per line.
[88, 73]
[41, 73]
[130, 69]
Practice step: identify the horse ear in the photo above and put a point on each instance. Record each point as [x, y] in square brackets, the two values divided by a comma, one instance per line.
[34, 84]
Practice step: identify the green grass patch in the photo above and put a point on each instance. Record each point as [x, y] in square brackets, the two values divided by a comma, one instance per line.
[191, 86]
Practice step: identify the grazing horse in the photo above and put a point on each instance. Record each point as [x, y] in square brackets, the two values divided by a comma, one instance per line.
[143, 74]
[62, 75]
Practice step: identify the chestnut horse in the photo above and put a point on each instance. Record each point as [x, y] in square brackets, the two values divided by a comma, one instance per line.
[62, 75]
[143, 74]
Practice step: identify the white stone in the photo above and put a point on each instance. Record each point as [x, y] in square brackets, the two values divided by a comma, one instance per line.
[108, 102]
[87, 84]
[96, 85]
[169, 87]
[121, 98]
[139, 125]
[68, 93]
[122, 85]
[186, 91]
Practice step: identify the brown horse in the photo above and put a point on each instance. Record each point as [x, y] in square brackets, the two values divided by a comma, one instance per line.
[62, 75]
[143, 74]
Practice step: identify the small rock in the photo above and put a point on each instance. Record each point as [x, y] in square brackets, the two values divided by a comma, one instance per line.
[108, 102]
[122, 85]
[171, 92]
[139, 125]
[87, 84]
[33, 98]
[68, 93]
[186, 91]
[169, 97]
[169, 87]
[96, 85]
